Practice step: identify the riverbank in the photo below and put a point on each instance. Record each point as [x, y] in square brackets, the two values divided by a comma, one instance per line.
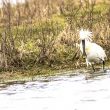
[23, 75]
[31, 74]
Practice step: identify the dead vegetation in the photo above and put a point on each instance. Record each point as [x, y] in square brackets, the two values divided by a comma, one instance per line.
[44, 32]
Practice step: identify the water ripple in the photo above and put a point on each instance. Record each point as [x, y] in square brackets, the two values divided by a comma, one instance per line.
[67, 91]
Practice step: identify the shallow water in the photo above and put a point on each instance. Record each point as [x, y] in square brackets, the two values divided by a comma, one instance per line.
[67, 91]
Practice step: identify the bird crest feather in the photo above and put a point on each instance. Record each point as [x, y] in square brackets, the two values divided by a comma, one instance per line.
[85, 34]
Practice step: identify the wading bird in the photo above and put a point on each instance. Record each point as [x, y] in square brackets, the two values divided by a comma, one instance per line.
[93, 52]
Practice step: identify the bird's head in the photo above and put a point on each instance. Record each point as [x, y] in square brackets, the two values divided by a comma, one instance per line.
[85, 35]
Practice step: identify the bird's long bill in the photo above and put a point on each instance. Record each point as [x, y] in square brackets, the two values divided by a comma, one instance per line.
[83, 46]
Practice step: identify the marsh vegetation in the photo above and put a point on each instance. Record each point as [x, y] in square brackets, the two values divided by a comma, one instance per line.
[43, 33]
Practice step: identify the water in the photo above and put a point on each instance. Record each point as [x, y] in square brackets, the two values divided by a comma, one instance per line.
[68, 91]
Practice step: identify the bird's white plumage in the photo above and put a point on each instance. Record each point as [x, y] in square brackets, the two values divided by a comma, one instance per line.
[94, 52]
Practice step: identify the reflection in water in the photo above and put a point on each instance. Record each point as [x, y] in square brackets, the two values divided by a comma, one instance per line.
[70, 91]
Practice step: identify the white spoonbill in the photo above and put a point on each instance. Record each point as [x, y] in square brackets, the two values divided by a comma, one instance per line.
[94, 53]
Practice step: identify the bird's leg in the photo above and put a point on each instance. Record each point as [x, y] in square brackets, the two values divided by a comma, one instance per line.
[103, 64]
[93, 67]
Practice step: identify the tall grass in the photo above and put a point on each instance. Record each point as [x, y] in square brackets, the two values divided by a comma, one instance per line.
[44, 32]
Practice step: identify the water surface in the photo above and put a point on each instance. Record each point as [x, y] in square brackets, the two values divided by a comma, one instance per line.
[68, 91]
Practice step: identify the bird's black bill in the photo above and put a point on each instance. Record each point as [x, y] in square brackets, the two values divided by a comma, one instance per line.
[83, 46]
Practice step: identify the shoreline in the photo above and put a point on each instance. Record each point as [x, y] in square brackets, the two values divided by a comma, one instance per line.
[19, 76]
